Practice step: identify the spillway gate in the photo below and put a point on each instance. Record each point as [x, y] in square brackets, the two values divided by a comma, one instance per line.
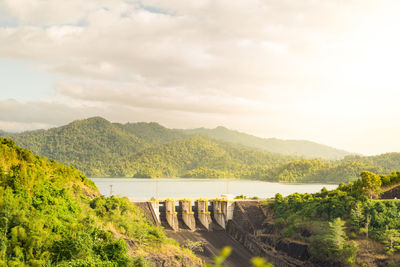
[190, 214]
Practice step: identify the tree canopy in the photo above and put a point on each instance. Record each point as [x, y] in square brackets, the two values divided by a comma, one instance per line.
[335, 222]
[51, 214]
[103, 149]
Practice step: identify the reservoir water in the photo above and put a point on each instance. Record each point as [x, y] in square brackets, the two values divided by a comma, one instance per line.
[144, 189]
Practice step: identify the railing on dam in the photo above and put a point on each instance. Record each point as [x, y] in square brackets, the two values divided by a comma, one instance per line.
[191, 214]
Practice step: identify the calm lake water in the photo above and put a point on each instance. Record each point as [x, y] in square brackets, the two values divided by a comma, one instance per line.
[143, 189]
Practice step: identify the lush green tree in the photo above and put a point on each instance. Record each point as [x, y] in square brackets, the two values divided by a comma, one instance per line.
[370, 183]
[391, 239]
[337, 235]
[51, 214]
[324, 216]
[357, 216]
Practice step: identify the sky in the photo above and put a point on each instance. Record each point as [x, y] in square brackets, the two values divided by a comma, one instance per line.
[325, 71]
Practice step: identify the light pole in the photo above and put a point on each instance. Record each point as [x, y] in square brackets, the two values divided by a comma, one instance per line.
[156, 188]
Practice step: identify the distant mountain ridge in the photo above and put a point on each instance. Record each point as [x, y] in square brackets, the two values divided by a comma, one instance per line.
[301, 148]
[103, 149]
[155, 134]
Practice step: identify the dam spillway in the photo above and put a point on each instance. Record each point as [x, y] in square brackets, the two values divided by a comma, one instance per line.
[199, 220]
[244, 225]
[189, 214]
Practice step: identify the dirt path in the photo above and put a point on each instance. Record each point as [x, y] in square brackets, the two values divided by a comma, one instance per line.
[213, 242]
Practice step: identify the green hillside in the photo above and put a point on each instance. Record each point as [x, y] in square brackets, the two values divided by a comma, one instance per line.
[184, 157]
[101, 148]
[387, 161]
[94, 145]
[152, 133]
[51, 214]
[317, 170]
[347, 226]
[286, 147]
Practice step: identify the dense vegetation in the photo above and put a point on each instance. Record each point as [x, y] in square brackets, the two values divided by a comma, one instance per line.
[314, 170]
[51, 214]
[101, 148]
[149, 150]
[301, 148]
[340, 222]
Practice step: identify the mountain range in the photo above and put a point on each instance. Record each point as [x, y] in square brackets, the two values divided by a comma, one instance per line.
[301, 148]
[101, 148]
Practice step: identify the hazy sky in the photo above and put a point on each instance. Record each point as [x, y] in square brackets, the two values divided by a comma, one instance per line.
[326, 71]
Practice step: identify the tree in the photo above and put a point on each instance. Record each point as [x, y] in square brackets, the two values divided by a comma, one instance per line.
[391, 239]
[337, 235]
[370, 183]
[357, 215]
[365, 229]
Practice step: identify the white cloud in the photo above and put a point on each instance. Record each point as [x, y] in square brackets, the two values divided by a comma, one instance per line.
[49, 12]
[165, 99]
[43, 112]
[286, 66]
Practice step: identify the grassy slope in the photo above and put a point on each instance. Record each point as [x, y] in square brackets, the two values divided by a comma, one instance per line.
[179, 157]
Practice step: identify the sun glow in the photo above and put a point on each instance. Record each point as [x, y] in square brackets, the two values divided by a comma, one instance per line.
[370, 57]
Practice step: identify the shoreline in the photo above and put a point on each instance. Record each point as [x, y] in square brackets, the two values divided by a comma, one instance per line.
[216, 179]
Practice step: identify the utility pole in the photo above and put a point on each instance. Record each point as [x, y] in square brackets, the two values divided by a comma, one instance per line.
[156, 188]
[111, 192]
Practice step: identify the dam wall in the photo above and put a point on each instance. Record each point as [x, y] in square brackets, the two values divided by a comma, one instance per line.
[187, 214]
[247, 226]
[223, 212]
[171, 215]
[199, 214]
[250, 227]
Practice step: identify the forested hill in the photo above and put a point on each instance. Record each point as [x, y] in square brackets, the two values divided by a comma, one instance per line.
[154, 134]
[52, 215]
[101, 148]
[302, 148]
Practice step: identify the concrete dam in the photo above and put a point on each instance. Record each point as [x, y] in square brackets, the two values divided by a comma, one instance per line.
[187, 214]
[245, 226]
